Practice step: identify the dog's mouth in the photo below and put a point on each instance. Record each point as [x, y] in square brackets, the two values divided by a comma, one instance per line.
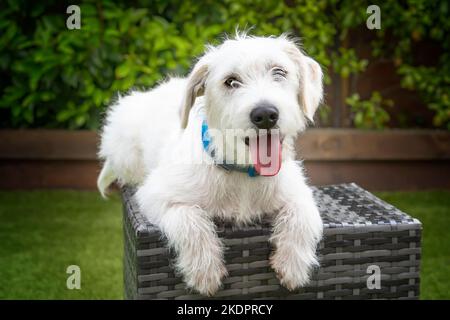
[265, 150]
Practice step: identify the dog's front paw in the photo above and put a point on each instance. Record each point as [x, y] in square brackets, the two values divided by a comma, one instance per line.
[202, 267]
[293, 268]
[206, 277]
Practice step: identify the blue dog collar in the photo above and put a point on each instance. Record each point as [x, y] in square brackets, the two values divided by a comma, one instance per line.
[206, 142]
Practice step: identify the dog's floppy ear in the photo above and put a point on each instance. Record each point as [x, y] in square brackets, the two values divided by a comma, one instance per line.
[195, 87]
[311, 93]
[310, 75]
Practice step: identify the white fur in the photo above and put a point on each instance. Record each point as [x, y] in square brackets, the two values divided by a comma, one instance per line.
[144, 144]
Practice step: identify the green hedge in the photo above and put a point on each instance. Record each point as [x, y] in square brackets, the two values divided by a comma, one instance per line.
[59, 78]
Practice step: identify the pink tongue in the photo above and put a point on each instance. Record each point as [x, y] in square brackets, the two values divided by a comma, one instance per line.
[266, 154]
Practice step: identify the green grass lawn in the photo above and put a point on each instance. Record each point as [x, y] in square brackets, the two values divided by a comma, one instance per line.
[43, 232]
[433, 210]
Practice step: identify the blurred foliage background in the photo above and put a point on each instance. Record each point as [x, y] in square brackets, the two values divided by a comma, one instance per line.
[53, 77]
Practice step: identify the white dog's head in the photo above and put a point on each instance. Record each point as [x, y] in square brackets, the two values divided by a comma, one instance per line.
[256, 83]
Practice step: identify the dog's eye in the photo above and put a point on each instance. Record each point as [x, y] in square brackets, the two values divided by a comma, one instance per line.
[279, 73]
[232, 82]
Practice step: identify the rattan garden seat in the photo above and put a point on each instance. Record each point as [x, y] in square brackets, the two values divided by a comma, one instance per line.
[360, 231]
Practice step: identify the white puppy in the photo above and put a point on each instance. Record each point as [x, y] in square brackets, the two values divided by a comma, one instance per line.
[155, 140]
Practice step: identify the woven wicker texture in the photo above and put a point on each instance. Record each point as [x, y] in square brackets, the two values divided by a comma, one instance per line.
[360, 230]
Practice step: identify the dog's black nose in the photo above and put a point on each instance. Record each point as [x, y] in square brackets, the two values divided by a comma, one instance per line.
[264, 116]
